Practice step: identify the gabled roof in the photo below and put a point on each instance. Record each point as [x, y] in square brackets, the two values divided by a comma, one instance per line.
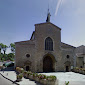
[82, 46]
[80, 50]
[32, 35]
[22, 41]
[80, 54]
[26, 42]
[66, 45]
[48, 23]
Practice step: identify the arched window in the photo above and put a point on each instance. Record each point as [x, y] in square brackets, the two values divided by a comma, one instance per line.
[49, 44]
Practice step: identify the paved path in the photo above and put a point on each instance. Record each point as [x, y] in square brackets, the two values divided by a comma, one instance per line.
[73, 78]
[12, 75]
[4, 81]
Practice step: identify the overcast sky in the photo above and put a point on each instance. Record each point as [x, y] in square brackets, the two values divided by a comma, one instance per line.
[17, 19]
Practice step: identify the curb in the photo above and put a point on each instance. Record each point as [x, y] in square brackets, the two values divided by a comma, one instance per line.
[9, 79]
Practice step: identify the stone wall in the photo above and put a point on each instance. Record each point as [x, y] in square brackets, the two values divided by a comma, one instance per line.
[23, 48]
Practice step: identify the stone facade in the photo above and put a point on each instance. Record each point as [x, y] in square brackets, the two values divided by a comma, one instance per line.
[80, 56]
[32, 55]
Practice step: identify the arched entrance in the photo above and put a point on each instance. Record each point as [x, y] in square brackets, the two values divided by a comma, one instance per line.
[27, 65]
[47, 64]
[67, 66]
[27, 68]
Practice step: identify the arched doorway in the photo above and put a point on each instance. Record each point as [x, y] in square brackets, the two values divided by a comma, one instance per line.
[47, 64]
[27, 68]
[27, 65]
[67, 66]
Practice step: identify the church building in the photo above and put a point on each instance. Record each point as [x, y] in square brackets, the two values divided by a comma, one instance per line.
[45, 52]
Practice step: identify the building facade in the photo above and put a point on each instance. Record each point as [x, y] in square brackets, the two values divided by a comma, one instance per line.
[45, 52]
[80, 56]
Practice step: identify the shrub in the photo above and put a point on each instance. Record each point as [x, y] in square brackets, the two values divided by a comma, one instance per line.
[66, 83]
[42, 76]
[19, 76]
[20, 70]
[29, 73]
[35, 74]
[1, 67]
[51, 77]
[17, 68]
[25, 72]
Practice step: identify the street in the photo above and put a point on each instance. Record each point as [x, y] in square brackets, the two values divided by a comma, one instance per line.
[4, 81]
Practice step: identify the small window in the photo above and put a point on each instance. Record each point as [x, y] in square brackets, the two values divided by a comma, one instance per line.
[27, 55]
[67, 56]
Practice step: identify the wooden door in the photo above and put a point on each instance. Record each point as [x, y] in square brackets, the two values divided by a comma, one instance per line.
[47, 64]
